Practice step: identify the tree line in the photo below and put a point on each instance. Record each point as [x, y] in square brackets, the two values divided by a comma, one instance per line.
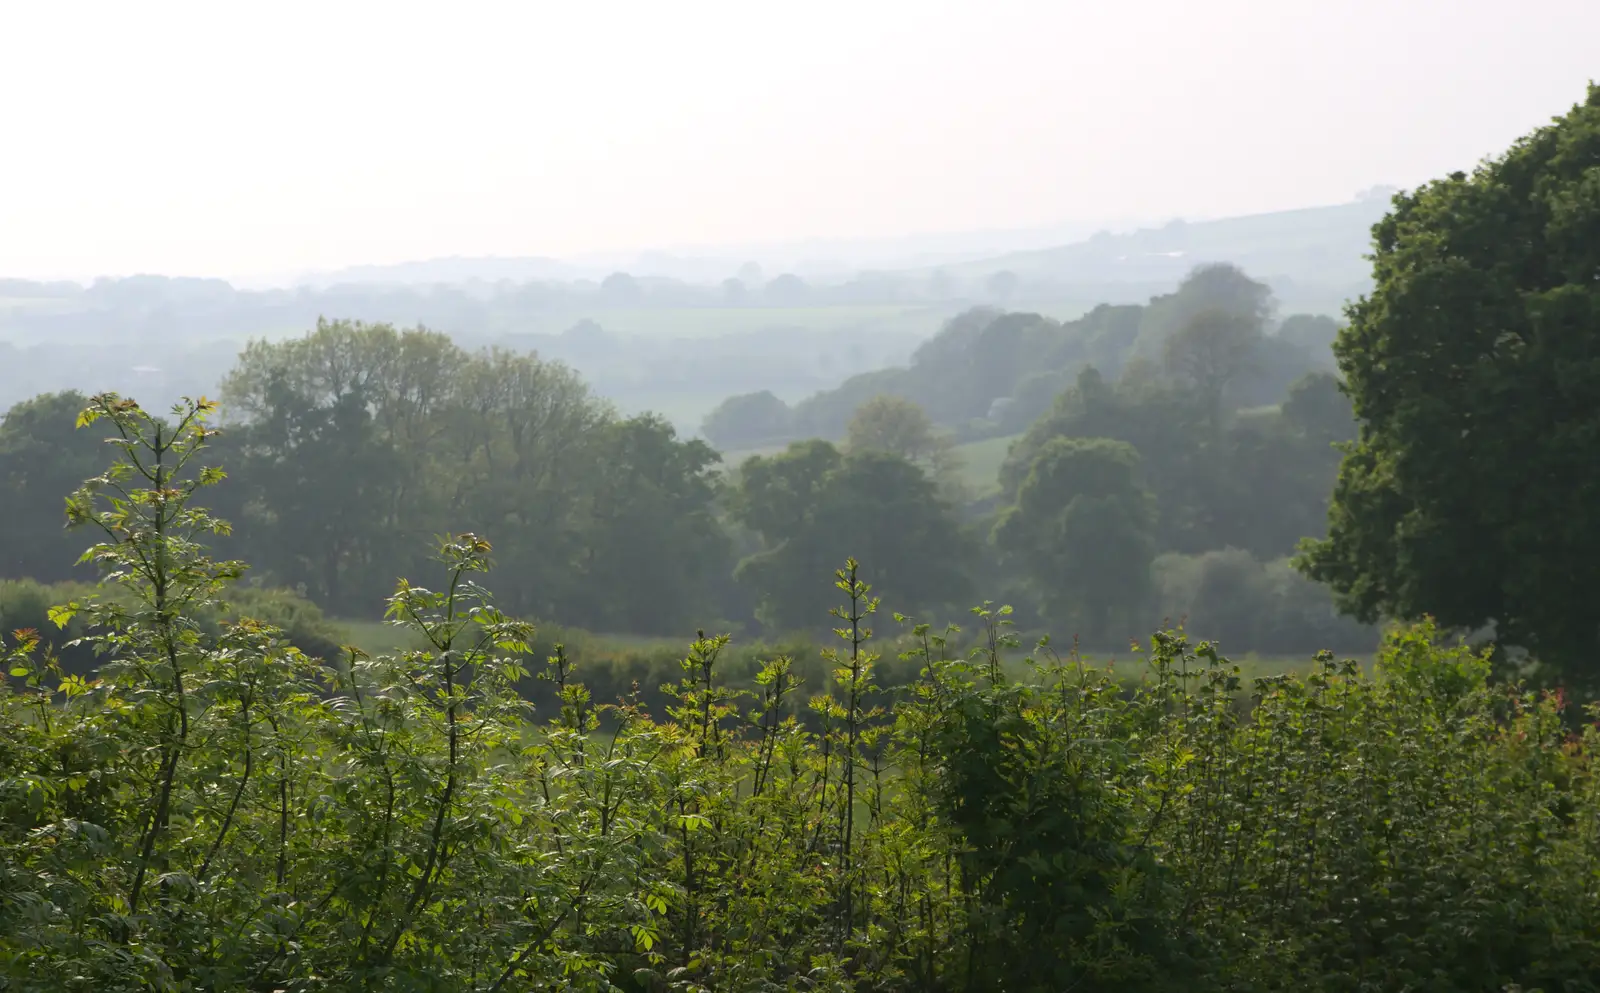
[214, 809]
[347, 448]
[1178, 453]
[991, 372]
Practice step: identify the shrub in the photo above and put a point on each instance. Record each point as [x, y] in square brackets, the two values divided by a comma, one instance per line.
[1248, 605]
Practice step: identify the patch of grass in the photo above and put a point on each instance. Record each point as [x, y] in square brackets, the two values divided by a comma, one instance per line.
[980, 464]
[708, 322]
[1254, 666]
[375, 637]
[733, 459]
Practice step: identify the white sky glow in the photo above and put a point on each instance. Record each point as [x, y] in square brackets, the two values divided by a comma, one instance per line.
[236, 139]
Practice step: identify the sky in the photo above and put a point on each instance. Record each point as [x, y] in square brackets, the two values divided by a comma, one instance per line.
[244, 139]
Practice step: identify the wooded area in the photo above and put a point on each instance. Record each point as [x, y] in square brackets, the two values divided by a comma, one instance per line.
[201, 790]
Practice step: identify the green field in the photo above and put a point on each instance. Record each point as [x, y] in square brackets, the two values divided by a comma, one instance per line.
[381, 637]
[375, 637]
[980, 464]
[734, 458]
[708, 322]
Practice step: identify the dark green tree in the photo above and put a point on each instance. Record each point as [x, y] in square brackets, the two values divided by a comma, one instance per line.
[42, 458]
[813, 506]
[748, 420]
[652, 546]
[1083, 530]
[1165, 423]
[1474, 368]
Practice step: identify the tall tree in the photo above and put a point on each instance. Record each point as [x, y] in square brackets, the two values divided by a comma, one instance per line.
[42, 460]
[897, 426]
[1211, 351]
[813, 506]
[1082, 529]
[652, 547]
[1474, 368]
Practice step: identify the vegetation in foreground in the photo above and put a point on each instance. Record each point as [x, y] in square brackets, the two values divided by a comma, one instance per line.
[218, 811]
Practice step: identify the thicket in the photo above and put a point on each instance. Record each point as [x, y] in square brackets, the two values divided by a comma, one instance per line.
[217, 811]
[25, 605]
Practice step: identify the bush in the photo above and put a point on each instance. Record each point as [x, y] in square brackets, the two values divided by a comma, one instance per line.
[300, 620]
[1248, 605]
[25, 604]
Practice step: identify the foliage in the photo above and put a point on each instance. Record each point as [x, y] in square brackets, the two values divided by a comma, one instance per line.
[1259, 481]
[990, 372]
[26, 604]
[1247, 604]
[357, 435]
[1476, 352]
[214, 811]
[1083, 531]
[748, 420]
[42, 458]
[896, 426]
[1313, 332]
[812, 505]
[1211, 351]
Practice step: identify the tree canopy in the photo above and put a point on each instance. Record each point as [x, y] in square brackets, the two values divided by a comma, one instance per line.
[42, 458]
[1083, 530]
[355, 434]
[812, 504]
[1474, 367]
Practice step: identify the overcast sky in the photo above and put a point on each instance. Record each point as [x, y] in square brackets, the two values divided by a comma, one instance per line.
[240, 139]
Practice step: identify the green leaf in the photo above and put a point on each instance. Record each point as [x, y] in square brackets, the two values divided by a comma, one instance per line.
[693, 822]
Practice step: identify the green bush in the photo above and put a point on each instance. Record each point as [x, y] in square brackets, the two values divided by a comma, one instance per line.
[1249, 605]
[300, 620]
[25, 604]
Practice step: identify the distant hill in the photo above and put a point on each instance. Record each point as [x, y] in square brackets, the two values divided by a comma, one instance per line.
[1314, 245]
[1313, 252]
[448, 271]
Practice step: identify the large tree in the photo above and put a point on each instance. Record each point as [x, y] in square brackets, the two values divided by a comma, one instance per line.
[42, 460]
[356, 443]
[1474, 368]
[1211, 351]
[814, 506]
[1082, 530]
[897, 426]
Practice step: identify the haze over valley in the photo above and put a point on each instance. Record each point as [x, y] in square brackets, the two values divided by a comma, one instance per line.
[888, 497]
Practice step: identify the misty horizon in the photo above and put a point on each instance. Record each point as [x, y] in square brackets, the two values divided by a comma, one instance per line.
[192, 140]
[825, 257]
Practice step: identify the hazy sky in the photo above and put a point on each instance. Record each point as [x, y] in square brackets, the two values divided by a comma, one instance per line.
[247, 138]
